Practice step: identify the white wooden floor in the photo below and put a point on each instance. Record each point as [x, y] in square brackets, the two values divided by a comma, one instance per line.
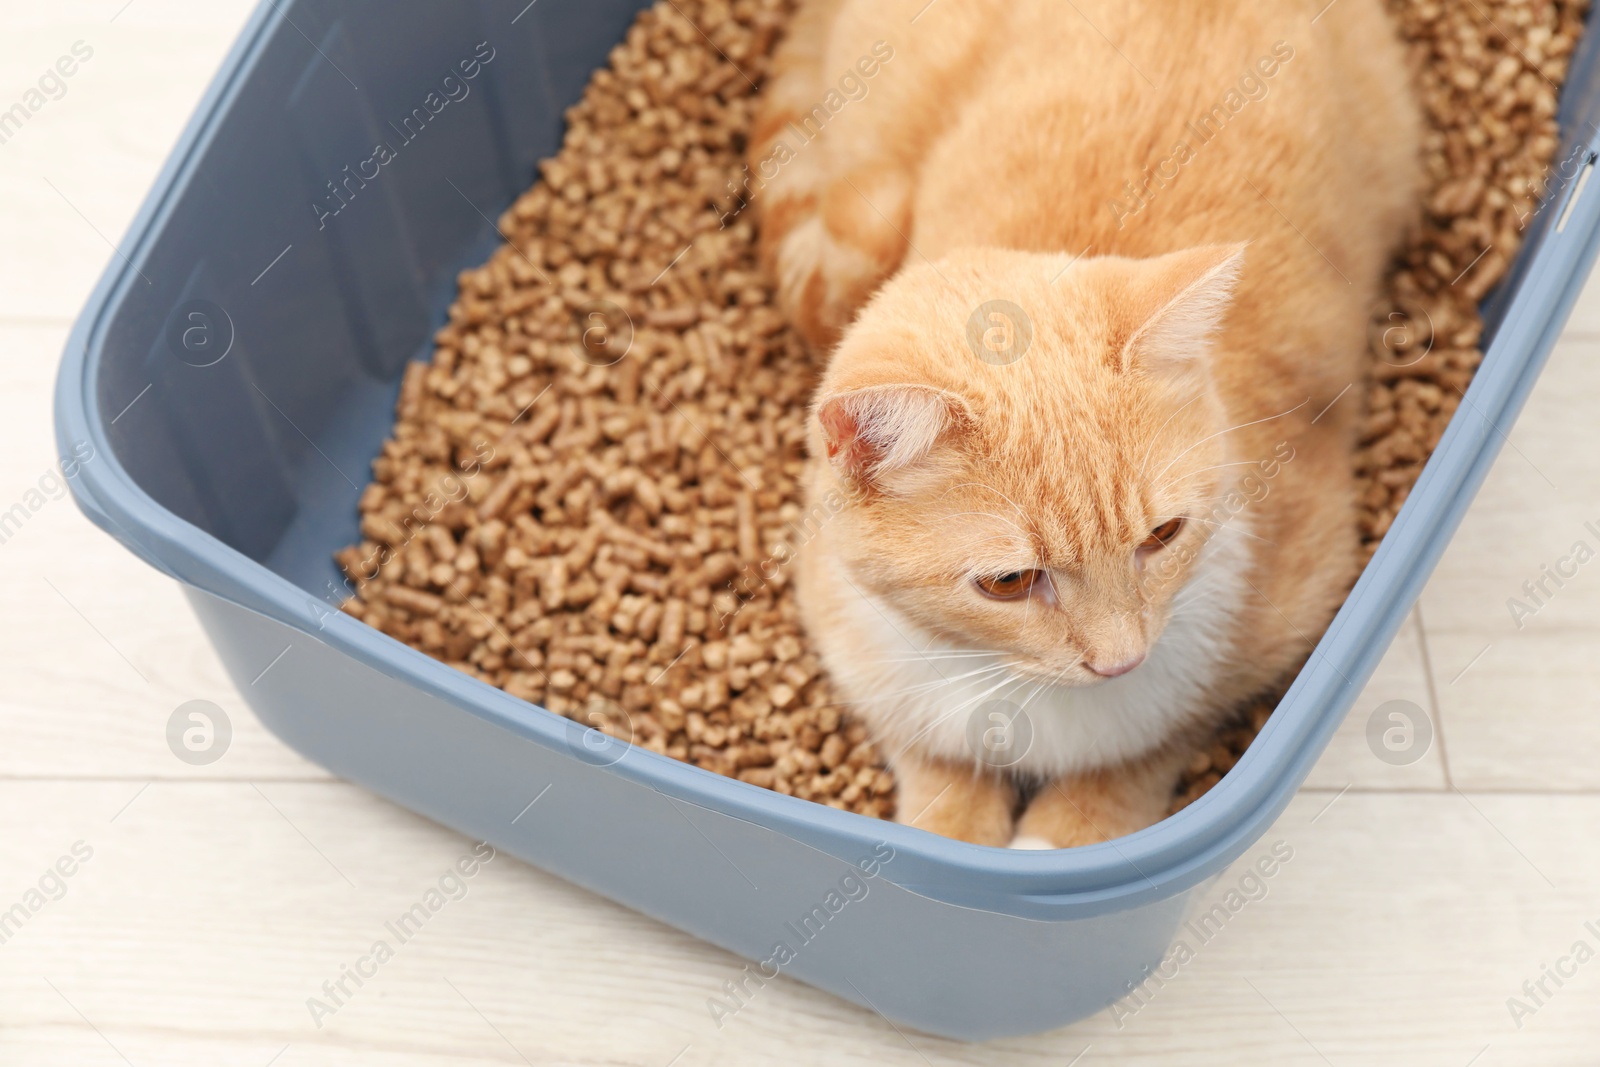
[215, 900]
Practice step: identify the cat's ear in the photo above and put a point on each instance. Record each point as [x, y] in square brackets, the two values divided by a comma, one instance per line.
[881, 428]
[1177, 302]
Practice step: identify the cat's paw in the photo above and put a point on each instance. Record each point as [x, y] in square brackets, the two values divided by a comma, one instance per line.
[948, 799]
[1055, 821]
[1029, 841]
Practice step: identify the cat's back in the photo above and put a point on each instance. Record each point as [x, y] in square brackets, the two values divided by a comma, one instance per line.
[1137, 126]
[1141, 127]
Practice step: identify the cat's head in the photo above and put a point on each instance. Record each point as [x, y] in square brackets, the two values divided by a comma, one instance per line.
[1031, 451]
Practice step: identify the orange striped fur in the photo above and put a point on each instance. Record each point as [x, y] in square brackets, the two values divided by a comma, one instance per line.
[1085, 269]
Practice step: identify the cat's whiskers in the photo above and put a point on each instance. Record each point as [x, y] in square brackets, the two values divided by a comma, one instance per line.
[1055, 679]
[1230, 429]
[919, 657]
[1222, 526]
[952, 679]
[940, 683]
[930, 687]
[1149, 448]
[1039, 687]
[1046, 683]
[1187, 599]
[1215, 466]
[958, 709]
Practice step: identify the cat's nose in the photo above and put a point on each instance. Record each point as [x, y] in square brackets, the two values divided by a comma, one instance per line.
[1114, 668]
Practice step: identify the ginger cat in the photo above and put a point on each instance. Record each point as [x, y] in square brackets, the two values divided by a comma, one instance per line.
[1097, 278]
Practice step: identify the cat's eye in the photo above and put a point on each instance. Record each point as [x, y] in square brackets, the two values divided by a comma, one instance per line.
[1013, 585]
[1162, 535]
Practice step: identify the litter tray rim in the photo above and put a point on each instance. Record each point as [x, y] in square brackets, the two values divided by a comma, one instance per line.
[1163, 860]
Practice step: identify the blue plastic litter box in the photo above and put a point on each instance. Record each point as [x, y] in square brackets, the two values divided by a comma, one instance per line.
[218, 460]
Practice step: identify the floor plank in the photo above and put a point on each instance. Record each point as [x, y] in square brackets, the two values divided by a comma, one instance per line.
[1351, 761]
[209, 913]
[74, 174]
[1513, 664]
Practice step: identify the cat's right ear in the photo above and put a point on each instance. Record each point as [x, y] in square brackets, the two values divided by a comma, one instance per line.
[872, 431]
[1176, 306]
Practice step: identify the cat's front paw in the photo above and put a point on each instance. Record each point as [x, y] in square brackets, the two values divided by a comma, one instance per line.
[1055, 820]
[948, 799]
[1029, 841]
[1064, 836]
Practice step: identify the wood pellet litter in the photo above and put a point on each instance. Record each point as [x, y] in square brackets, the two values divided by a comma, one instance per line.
[591, 489]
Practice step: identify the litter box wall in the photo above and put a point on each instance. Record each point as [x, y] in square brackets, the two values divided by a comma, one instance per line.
[844, 924]
[237, 373]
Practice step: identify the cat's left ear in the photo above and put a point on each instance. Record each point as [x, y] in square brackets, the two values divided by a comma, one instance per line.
[1177, 302]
